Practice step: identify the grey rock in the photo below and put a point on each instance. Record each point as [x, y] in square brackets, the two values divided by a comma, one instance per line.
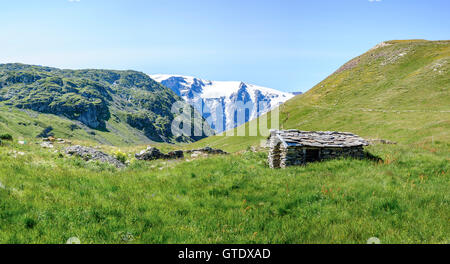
[177, 154]
[90, 117]
[46, 145]
[208, 150]
[93, 154]
[152, 153]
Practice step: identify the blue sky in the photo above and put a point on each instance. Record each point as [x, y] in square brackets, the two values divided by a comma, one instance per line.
[284, 44]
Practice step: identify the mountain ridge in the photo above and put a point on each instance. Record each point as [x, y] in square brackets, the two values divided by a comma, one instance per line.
[96, 98]
[220, 101]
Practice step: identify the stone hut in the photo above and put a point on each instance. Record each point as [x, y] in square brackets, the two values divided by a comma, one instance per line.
[295, 147]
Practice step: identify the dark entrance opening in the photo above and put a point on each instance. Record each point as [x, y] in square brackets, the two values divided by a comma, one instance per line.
[312, 155]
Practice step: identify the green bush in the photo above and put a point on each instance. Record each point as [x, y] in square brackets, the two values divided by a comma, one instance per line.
[6, 136]
[120, 156]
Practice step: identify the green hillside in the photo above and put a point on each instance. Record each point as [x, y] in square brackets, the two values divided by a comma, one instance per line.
[400, 91]
[110, 107]
[400, 193]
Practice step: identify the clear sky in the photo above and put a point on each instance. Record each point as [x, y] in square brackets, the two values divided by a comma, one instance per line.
[288, 45]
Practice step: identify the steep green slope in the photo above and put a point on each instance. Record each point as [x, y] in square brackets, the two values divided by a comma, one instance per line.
[124, 106]
[398, 90]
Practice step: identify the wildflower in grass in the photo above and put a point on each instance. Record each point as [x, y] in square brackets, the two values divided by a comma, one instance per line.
[127, 237]
[73, 240]
[373, 240]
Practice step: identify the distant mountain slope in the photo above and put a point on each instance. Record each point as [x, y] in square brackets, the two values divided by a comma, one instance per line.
[93, 98]
[399, 90]
[219, 101]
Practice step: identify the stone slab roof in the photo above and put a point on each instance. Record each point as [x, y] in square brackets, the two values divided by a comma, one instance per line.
[332, 139]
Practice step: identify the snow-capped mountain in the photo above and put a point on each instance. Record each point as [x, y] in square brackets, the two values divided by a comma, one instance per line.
[224, 104]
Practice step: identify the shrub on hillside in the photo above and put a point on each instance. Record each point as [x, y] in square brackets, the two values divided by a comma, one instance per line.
[120, 156]
[6, 136]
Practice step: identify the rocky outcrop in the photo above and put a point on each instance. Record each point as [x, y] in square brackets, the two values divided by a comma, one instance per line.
[93, 112]
[93, 97]
[89, 154]
[46, 133]
[177, 154]
[152, 153]
[93, 116]
[208, 150]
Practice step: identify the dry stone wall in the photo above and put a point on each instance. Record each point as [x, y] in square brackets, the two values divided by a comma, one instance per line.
[294, 147]
[300, 155]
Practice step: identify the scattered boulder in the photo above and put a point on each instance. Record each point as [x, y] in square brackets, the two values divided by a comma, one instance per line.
[63, 141]
[47, 145]
[208, 150]
[152, 153]
[56, 140]
[177, 154]
[93, 154]
[49, 139]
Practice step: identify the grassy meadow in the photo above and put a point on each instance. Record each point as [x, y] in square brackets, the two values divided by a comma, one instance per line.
[48, 198]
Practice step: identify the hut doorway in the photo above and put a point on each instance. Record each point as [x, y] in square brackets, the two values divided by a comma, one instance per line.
[312, 155]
